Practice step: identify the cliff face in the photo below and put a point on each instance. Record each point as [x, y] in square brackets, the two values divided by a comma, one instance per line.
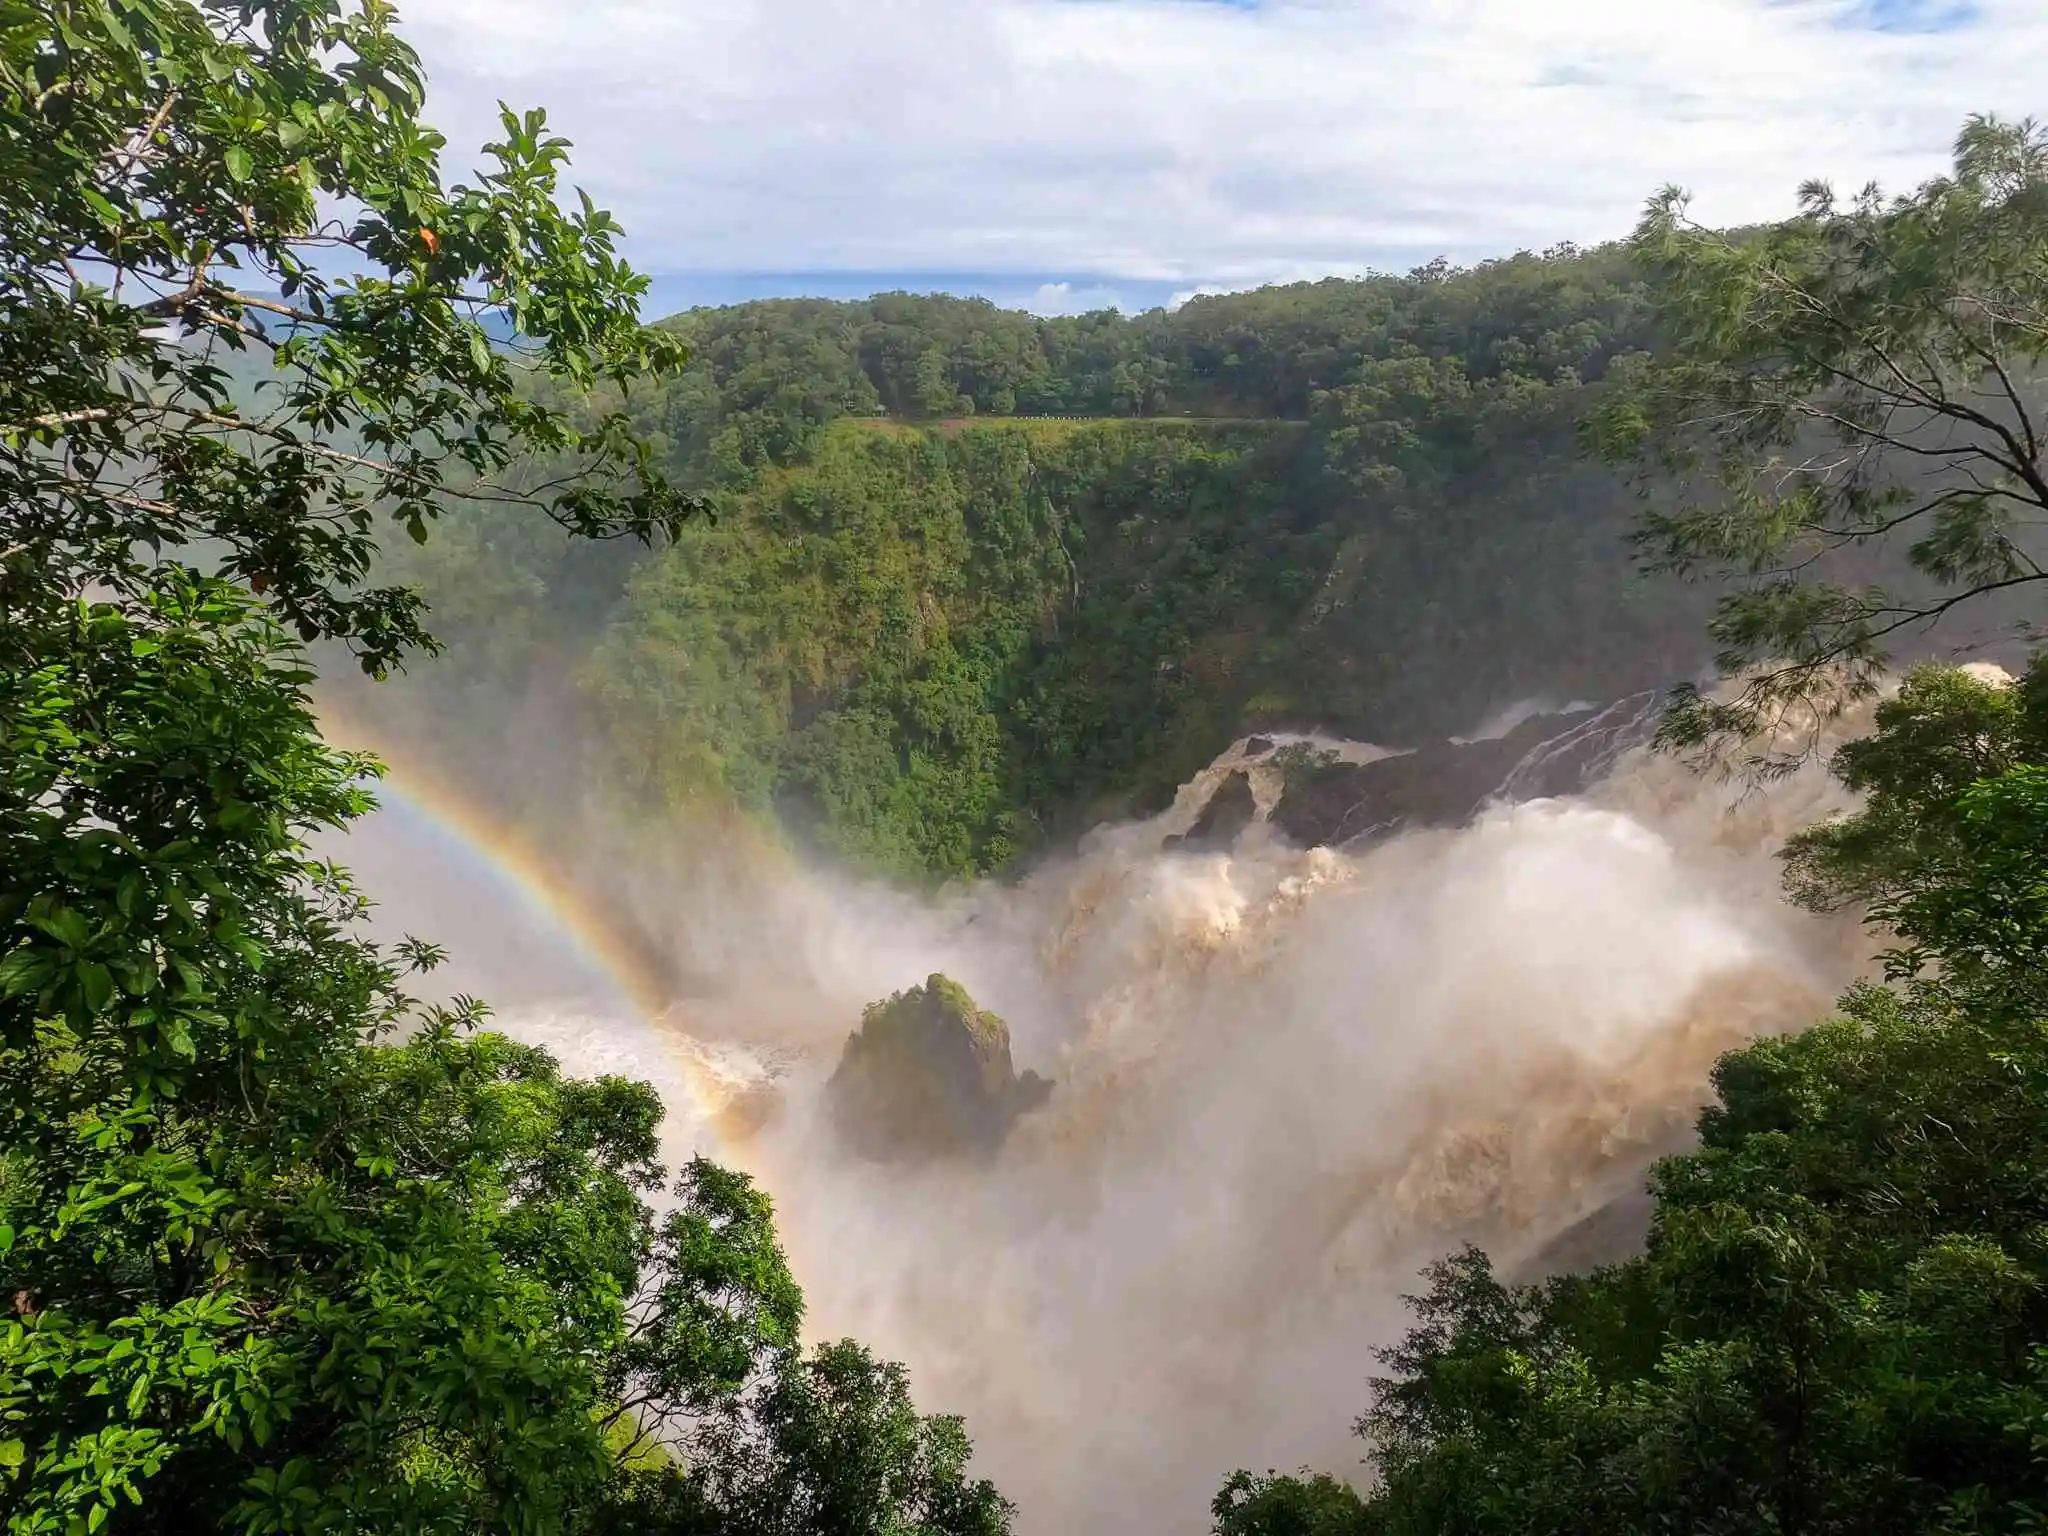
[1315, 796]
[928, 1075]
[1447, 783]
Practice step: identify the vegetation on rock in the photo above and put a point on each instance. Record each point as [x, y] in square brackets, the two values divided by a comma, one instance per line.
[928, 1074]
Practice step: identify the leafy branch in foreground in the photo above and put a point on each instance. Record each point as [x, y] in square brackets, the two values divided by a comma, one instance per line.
[181, 369]
[1866, 372]
[281, 1248]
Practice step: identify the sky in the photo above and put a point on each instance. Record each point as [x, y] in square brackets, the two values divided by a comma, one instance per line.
[1063, 155]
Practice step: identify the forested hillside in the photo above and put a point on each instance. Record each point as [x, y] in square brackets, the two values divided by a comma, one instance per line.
[932, 628]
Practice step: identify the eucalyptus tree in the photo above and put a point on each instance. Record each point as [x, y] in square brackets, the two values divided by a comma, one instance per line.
[1864, 374]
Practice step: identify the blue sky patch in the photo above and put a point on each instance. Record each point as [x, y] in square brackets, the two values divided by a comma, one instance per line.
[1912, 15]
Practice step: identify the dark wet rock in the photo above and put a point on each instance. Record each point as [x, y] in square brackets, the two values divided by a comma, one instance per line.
[1151, 800]
[1230, 809]
[1325, 802]
[1258, 746]
[929, 1075]
[1614, 1232]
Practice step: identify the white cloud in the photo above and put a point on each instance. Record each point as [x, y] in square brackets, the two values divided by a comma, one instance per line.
[1077, 299]
[1195, 143]
[1200, 290]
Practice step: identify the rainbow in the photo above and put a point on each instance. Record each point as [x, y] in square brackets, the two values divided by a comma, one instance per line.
[591, 930]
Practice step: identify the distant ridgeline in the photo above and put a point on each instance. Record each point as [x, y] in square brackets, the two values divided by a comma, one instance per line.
[980, 578]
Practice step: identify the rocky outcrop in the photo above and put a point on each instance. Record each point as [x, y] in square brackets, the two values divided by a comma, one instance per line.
[1610, 1234]
[1230, 809]
[1326, 802]
[929, 1075]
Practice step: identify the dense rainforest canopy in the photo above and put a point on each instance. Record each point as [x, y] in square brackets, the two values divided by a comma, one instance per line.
[971, 587]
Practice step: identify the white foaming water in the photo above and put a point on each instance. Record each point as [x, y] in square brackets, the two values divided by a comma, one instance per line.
[1502, 721]
[1285, 1080]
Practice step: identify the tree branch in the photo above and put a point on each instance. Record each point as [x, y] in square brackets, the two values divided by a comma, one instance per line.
[2012, 394]
[62, 419]
[2020, 464]
[126, 157]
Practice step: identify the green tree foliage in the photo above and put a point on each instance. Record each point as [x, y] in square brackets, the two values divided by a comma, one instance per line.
[824, 1443]
[1865, 373]
[884, 645]
[765, 377]
[1837, 1324]
[173, 176]
[1944, 731]
[286, 1251]
[1312, 1504]
[929, 647]
[282, 1249]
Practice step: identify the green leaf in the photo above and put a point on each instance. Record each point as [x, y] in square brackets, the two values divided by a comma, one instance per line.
[25, 970]
[67, 925]
[12, 1453]
[238, 163]
[96, 983]
[109, 214]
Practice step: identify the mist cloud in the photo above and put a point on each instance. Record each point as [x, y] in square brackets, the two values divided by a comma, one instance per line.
[1284, 1080]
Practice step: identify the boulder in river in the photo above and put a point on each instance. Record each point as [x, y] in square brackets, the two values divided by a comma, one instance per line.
[928, 1075]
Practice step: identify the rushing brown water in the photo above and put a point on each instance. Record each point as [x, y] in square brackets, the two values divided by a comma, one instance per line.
[1285, 1078]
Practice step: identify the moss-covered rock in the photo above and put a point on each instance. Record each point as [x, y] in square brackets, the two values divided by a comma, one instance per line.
[928, 1074]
